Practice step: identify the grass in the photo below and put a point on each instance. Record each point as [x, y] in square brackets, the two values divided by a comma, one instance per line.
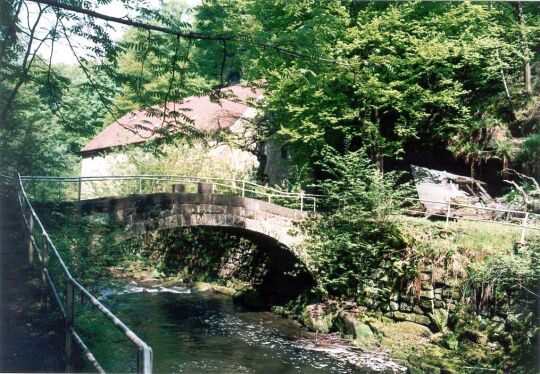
[477, 236]
[462, 243]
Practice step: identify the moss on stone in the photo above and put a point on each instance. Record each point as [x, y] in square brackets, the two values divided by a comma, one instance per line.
[317, 318]
[225, 290]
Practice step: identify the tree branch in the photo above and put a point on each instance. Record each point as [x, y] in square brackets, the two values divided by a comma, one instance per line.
[25, 67]
[192, 35]
[133, 23]
[523, 176]
[526, 197]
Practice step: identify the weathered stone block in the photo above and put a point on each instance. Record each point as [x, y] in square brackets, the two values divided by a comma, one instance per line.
[426, 304]
[427, 294]
[351, 326]
[405, 307]
[400, 316]
[422, 320]
[178, 188]
[439, 304]
[315, 317]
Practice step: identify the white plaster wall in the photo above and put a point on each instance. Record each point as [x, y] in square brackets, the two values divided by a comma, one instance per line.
[100, 165]
[104, 165]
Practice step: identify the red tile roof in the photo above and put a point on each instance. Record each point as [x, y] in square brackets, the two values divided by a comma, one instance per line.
[202, 115]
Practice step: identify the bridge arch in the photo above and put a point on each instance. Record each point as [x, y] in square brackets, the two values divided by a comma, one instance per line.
[265, 224]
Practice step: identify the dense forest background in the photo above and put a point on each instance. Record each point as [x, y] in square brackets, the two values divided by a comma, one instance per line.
[450, 85]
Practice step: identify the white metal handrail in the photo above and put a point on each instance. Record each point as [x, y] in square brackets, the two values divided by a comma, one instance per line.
[525, 222]
[242, 187]
[31, 219]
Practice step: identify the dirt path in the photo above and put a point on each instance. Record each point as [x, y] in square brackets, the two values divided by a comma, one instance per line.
[30, 341]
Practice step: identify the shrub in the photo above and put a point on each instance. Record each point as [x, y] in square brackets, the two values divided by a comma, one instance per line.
[355, 250]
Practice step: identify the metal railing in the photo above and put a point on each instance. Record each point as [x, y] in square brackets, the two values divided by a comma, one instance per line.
[162, 183]
[47, 252]
[299, 200]
[507, 217]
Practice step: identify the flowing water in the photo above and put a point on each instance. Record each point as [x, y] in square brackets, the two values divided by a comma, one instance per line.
[206, 333]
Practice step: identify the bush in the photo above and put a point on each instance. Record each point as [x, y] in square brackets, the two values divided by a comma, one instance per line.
[355, 250]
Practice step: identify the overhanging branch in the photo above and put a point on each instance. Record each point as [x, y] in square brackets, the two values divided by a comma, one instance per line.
[132, 23]
[193, 35]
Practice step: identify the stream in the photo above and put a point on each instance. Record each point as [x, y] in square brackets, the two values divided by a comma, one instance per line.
[192, 332]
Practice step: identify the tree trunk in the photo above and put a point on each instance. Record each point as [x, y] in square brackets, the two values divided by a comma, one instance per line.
[508, 95]
[526, 51]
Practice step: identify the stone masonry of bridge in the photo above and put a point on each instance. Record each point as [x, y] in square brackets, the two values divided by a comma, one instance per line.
[160, 211]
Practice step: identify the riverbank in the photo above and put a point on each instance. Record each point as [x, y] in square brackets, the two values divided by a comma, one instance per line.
[366, 339]
[462, 298]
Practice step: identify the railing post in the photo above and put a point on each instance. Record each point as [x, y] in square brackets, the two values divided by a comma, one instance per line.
[269, 198]
[144, 361]
[23, 211]
[44, 264]
[59, 188]
[314, 204]
[447, 216]
[140, 185]
[30, 244]
[79, 189]
[244, 188]
[524, 228]
[70, 314]
[301, 200]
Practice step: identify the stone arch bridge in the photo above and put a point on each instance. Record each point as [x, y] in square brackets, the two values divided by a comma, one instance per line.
[159, 211]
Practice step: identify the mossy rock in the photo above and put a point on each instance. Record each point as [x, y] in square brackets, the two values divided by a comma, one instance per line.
[225, 290]
[171, 282]
[358, 331]
[409, 328]
[317, 318]
[202, 287]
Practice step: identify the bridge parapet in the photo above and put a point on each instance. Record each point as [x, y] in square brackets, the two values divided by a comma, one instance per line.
[143, 213]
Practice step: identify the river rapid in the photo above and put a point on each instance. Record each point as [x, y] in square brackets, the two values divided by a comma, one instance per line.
[206, 332]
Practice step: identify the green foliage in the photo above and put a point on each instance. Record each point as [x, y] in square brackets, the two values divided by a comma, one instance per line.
[512, 278]
[529, 153]
[154, 69]
[205, 159]
[31, 139]
[509, 270]
[88, 244]
[392, 77]
[354, 250]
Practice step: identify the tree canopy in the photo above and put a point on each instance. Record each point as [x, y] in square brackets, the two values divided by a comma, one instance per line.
[452, 80]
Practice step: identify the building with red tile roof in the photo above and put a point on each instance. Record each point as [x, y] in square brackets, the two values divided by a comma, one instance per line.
[226, 111]
[202, 114]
